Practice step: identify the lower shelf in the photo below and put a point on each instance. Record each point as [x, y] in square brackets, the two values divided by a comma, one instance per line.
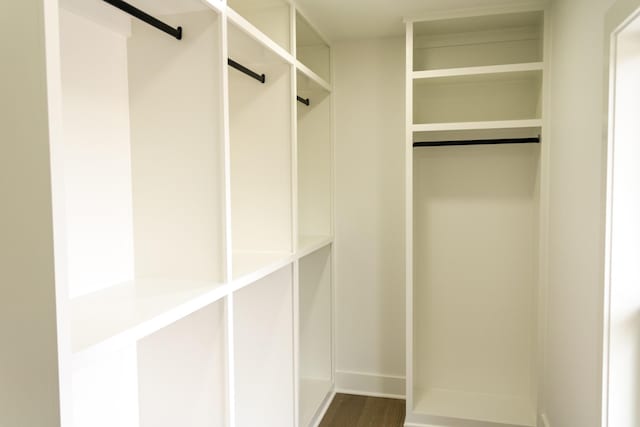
[127, 312]
[308, 244]
[312, 394]
[251, 266]
[489, 408]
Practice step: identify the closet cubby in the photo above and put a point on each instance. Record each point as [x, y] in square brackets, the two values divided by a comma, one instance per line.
[479, 97]
[142, 165]
[311, 49]
[315, 344]
[474, 291]
[175, 376]
[485, 40]
[264, 354]
[314, 152]
[271, 17]
[260, 121]
[474, 156]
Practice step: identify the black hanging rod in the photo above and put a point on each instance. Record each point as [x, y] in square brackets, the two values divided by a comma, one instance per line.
[134, 11]
[259, 77]
[304, 101]
[478, 142]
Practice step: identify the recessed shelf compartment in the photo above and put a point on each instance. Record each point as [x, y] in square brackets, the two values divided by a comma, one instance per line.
[315, 156]
[509, 38]
[511, 95]
[311, 49]
[261, 153]
[315, 325]
[141, 149]
[263, 337]
[271, 17]
[172, 377]
[121, 314]
[474, 327]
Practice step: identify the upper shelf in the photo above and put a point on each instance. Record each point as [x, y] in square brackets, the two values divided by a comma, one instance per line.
[501, 39]
[270, 17]
[312, 50]
[486, 125]
[504, 70]
[249, 45]
[310, 79]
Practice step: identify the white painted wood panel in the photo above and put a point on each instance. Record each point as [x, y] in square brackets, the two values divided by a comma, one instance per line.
[176, 150]
[315, 158]
[260, 120]
[263, 328]
[315, 345]
[182, 372]
[97, 157]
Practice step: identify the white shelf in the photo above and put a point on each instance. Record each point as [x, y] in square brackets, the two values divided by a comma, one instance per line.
[455, 126]
[315, 78]
[313, 393]
[503, 410]
[249, 267]
[310, 244]
[254, 33]
[478, 71]
[124, 313]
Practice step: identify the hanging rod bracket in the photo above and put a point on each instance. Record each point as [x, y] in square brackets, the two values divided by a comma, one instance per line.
[259, 77]
[477, 142]
[305, 101]
[145, 17]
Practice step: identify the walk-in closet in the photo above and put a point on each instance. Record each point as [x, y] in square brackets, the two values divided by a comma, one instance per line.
[302, 213]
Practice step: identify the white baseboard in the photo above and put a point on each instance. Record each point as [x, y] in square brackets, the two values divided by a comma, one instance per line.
[323, 409]
[370, 384]
[544, 420]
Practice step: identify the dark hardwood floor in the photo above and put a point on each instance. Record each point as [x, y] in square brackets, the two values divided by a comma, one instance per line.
[348, 410]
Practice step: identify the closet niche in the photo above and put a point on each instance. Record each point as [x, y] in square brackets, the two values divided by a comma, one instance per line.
[140, 157]
[475, 162]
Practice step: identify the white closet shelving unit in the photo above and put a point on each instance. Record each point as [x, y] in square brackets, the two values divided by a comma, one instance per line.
[473, 216]
[193, 215]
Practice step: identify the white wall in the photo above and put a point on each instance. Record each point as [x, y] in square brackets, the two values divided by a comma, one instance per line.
[28, 349]
[369, 201]
[572, 381]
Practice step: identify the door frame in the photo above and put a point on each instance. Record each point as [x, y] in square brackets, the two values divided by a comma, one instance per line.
[617, 19]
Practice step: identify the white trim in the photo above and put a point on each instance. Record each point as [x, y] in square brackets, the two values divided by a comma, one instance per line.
[408, 215]
[618, 17]
[367, 384]
[322, 410]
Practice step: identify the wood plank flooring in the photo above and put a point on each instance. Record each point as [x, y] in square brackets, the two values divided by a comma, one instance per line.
[348, 410]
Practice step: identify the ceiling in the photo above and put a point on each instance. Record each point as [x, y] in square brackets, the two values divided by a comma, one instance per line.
[361, 19]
